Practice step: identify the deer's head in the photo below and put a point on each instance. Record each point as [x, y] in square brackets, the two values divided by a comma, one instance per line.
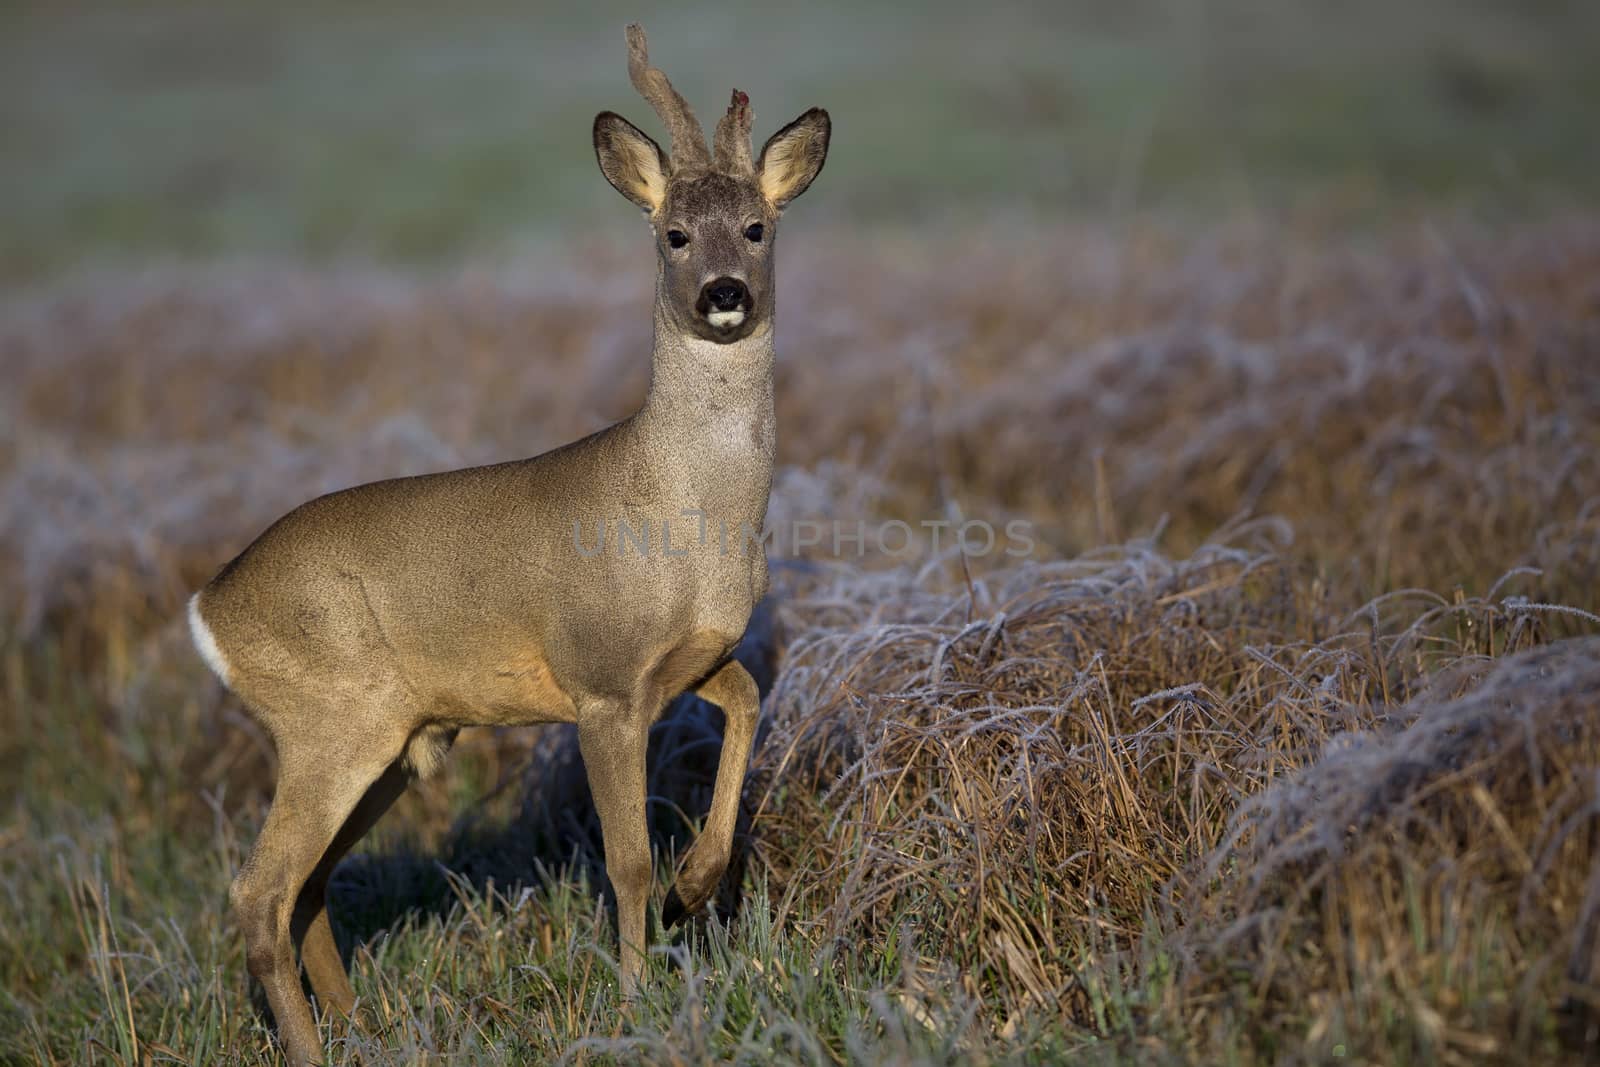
[714, 213]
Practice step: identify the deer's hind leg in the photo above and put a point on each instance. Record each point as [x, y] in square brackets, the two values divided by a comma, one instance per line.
[329, 757]
[309, 926]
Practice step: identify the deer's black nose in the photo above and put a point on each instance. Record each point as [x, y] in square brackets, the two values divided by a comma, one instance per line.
[725, 294]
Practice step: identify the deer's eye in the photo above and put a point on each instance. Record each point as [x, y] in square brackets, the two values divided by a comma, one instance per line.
[754, 232]
[677, 238]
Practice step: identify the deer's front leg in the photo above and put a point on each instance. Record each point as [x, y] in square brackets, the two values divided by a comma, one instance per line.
[612, 741]
[734, 691]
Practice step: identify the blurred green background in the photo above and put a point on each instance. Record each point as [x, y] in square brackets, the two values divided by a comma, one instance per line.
[427, 132]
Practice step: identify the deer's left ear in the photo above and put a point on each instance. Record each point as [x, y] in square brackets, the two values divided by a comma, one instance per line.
[793, 157]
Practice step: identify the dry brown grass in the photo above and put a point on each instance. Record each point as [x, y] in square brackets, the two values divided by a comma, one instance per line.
[1282, 746]
[1435, 883]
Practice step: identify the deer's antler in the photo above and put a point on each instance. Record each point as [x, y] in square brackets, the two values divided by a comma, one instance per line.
[688, 139]
[733, 137]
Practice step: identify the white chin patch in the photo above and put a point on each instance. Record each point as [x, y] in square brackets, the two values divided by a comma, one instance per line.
[720, 319]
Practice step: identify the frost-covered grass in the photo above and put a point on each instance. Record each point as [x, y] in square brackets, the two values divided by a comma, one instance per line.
[1282, 746]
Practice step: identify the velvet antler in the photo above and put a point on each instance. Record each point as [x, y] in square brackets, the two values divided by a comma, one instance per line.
[688, 139]
[733, 137]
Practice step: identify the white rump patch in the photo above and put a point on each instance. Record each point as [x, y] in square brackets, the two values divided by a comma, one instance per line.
[725, 318]
[205, 643]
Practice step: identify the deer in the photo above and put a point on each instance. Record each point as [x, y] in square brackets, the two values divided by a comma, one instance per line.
[366, 627]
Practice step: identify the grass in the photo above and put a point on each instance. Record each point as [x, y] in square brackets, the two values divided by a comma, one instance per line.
[407, 132]
[1280, 746]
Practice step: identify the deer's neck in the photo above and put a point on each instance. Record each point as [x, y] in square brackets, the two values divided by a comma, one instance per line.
[709, 395]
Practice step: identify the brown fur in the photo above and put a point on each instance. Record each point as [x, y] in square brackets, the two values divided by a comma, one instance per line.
[364, 628]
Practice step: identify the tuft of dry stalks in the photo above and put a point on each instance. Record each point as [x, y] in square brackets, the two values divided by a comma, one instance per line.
[1441, 872]
[1055, 785]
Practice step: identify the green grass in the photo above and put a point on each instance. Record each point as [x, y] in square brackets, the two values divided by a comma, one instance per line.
[116, 948]
[422, 133]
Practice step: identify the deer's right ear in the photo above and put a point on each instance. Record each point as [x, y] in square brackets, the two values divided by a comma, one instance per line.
[633, 163]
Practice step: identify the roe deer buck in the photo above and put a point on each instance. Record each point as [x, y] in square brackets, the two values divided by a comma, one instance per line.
[365, 627]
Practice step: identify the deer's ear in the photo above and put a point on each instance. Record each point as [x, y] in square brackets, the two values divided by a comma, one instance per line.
[633, 163]
[793, 156]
